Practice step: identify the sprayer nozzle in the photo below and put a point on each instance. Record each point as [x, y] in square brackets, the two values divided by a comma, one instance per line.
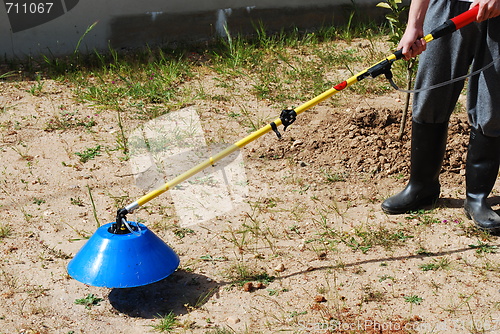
[118, 227]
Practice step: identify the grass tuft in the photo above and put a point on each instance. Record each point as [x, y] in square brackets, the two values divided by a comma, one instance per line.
[5, 231]
[167, 323]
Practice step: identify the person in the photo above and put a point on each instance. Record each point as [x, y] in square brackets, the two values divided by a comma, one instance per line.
[475, 45]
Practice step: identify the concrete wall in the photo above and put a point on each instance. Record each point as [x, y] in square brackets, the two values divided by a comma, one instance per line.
[128, 23]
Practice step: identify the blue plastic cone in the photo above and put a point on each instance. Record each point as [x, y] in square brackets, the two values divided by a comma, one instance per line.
[123, 260]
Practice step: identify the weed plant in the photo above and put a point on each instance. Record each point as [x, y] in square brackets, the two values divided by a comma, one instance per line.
[167, 323]
[5, 231]
[220, 330]
[89, 301]
[89, 153]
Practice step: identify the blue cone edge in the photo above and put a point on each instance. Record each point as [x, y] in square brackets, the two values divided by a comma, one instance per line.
[123, 260]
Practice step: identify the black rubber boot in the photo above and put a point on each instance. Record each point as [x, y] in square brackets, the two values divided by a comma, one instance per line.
[428, 145]
[483, 160]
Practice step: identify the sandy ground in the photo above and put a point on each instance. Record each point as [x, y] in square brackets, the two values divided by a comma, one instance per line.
[309, 235]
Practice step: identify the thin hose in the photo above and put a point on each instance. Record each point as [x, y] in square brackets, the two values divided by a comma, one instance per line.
[393, 84]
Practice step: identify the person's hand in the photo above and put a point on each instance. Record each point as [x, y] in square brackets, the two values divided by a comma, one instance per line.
[412, 43]
[487, 9]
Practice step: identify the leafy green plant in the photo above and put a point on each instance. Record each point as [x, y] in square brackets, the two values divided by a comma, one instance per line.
[423, 216]
[483, 247]
[395, 18]
[356, 245]
[89, 153]
[66, 120]
[443, 263]
[181, 232]
[428, 266]
[413, 299]
[76, 201]
[38, 201]
[145, 85]
[89, 301]
[386, 277]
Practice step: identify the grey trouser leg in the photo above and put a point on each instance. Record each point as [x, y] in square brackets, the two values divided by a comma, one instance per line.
[450, 57]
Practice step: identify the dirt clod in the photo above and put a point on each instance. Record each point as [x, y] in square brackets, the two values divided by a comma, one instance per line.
[248, 287]
[320, 299]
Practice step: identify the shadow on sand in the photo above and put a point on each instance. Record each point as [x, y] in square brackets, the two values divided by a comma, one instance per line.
[175, 293]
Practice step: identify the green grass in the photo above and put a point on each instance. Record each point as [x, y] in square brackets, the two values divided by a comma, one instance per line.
[36, 89]
[67, 120]
[155, 83]
[166, 323]
[5, 231]
[424, 217]
[364, 239]
[241, 273]
[483, 247]
[152, 81]
[443, 263]
[332, 177]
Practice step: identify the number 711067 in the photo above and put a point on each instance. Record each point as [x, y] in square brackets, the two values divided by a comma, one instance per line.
[29, 8]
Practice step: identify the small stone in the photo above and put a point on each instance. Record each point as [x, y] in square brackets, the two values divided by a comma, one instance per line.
[296, 143]
[322, 255]
[302, 164]
[319, 299]
[259, 285]
[248, 287]
[233, 320]
[280, 268]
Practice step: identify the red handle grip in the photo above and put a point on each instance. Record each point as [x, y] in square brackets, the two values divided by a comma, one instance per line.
[465, 18]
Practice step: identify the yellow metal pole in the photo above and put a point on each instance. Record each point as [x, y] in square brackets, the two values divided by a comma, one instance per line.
[382, 67]
[373, 71]
[243, 142]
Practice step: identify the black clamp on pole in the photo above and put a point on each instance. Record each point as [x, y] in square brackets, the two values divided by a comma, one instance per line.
[287, 117]
[384, 67]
